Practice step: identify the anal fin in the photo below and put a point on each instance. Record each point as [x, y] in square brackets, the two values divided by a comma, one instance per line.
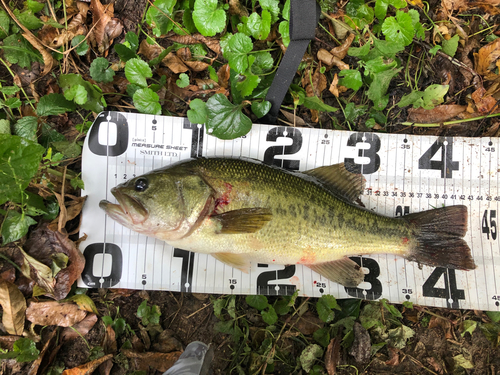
[245, 220]
[239, 261]
[342, 271]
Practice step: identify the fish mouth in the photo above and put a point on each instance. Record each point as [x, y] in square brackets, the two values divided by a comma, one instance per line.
[128, 211]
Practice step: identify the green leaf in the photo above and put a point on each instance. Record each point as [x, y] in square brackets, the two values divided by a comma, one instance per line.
[398, 336]
[133, 40]
[213, 74]
[19, 160]
[26, 350]
[9, 90]
[450, 46]
[147, 101]
[68, 148]
[219, 304]
[469, 326]
[248, 81]
[284, 29]
[225, 120]
[258, 302]
[34, 6]
[256, 26]
[54, 104]
[148, 314]
[94, 96]
[238, 47]
[157, 19]
[82, 48]
[313, 102]
[391, 308]
[197, 114]
[352, 112]
[136, 71]
[382, 5]
[399, 30]
[100, 71]
[322, 336]
[269, 316]
[309, 356]
[26, 127]
[324, 307]
[434, 95]
[208, 18]
[286, 10]
[410, 98]
[76, 93]
[34, 204]
[18, 50]
[419, 29]
[183, 80]
[28, 19]
[359, 51]
[12, 103]
[124, 52]
[434, 49]
[351, 79]
[4, 24]
[263, 63]
[260, 109]
[272, 6]
[281, 306]
[5, 126]
[379, 86]
[494, 316]
[15, 226]
[52, 209]
[231, 307]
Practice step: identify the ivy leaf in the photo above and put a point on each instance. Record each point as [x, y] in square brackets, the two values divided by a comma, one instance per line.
[269, 316]
[183, 80]
[15, 226]
[93, 101]
[136, 71]
[82, 48]
[208, 18]
[26, 127]
[226, 120]
[17, 50]
[450, 46]
[4, 24]
[76, 93]
[284, 29]
[400, 29]
[34, 6]
[382, 5]
[260, 109]
[258, 302]
[198, 112]
[238, 47]
[351, 79]
[54, 104]
[147, 101]
[100, 71]
[379, 86]
[156, 18]
[272, 6]
[248, 81]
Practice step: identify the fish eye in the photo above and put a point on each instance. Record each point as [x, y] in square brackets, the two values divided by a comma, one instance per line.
[141, 184]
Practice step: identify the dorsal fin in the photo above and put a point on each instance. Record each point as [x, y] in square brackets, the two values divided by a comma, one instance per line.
[339, 180]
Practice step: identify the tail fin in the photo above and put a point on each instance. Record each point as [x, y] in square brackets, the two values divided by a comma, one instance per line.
[439, 240]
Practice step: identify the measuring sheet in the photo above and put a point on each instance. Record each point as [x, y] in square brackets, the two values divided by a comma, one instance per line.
[404, 174]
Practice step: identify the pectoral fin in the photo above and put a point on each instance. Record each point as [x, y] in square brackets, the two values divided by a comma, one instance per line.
[239, 261]
[343, 271]
[246, 220]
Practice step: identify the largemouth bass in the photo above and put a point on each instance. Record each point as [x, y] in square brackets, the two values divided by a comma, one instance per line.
[241, 211]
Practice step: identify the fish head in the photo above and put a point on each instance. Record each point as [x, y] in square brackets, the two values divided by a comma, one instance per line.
[164, 204]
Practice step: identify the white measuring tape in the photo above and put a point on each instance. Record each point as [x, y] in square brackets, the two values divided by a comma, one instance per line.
[404, 174]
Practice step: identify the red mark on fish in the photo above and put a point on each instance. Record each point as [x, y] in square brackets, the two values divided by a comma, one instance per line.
[223, 200]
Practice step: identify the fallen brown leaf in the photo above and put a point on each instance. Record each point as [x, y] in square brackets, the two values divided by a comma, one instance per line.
[237, 9]
[43, 244]
[109, 342]
[104, 27]
[197, 66]
[341, 51]
[40, 273]
[87, 368]
[48, 344]
[174, 63]
[293, 119]
[438, 114]
[158, 361]
[393, 357]
[484, 103]
[328, 59]
[166, 342]
[224, 73]
[361, 347]
[149, 51]
[332, 356]
[80, 328]
[211, 43]
[14, 308]
[486, 57]
[443, 324]
[50, 313]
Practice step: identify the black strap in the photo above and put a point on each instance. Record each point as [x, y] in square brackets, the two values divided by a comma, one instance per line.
[304, 16]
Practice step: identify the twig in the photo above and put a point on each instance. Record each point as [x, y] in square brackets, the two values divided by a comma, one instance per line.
[437, 125]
